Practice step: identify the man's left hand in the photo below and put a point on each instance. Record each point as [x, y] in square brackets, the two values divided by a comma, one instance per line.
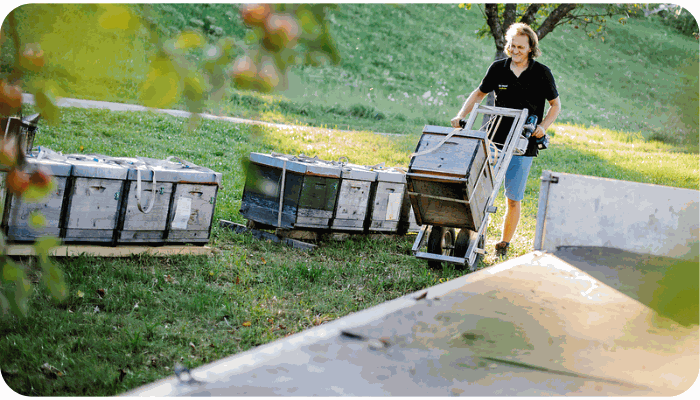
[539, 132]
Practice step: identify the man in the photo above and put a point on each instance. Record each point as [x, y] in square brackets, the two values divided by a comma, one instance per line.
[518, 82]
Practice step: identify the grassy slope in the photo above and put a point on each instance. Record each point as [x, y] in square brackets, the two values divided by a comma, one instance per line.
[196, 310]
[403, 65]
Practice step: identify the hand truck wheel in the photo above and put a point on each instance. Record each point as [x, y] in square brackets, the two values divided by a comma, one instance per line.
[464, 239]
[440, 241]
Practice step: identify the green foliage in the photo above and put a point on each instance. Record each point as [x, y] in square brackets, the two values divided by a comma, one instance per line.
[684, 22]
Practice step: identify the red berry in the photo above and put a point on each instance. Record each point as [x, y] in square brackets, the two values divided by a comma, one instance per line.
[254, 14]
[17, 182]
[10, 98]
[40, 178]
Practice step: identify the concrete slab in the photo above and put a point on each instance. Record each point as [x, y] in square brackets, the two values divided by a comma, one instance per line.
[534, 325]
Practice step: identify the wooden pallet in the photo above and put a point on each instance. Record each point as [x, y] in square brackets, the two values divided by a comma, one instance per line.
[107, 251]
[263, 235]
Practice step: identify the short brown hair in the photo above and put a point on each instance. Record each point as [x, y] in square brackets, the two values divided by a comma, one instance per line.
[520, 28]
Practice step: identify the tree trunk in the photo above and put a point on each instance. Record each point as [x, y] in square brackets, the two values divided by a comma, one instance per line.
[509, 16]
[494, 24]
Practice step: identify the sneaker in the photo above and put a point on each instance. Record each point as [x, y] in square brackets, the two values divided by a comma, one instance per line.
[502, 249]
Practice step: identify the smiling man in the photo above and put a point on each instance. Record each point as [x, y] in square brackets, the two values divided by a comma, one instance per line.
[518, 82]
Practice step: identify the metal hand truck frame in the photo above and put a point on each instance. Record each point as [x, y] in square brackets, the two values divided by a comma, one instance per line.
[442, 197]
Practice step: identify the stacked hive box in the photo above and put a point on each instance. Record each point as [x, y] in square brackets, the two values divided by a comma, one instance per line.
[17, 215]
[449, 181]
[290, 192]
[353, 197]
[166, 201]
[93, 200]
[293, 192]
[102, 202]
[389, 206]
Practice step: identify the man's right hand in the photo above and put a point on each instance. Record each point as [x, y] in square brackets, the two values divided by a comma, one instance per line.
[455, 121]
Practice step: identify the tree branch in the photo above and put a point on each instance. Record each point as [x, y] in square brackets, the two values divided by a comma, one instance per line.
[553, 18]
[530, 14]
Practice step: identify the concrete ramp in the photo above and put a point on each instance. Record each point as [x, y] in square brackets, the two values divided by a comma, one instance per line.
[535, 325]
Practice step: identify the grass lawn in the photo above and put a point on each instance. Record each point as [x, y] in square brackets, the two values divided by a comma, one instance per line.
[127, 321]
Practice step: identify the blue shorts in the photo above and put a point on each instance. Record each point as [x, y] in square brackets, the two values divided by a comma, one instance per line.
[516, 177]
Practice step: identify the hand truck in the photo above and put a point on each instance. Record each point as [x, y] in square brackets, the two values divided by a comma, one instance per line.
[453, 179]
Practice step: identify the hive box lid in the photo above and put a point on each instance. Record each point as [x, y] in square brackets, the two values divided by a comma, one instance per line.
[391, 175]
[92, 167]
[53, 167]
[302, 165]
[358, 172]
[446, 150]
[169, 171]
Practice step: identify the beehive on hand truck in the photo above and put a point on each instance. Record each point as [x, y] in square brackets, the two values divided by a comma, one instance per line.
[453, 179]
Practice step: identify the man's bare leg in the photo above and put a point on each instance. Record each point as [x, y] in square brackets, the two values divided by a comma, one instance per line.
[510, 223]
[511, 220]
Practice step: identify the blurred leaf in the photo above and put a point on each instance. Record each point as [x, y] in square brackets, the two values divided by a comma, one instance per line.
[44, 244]
[162, 87]
[11, 272]
[45, 96]
[677, 294]
[37, 220]
[4, 303]
[189, 40]
[247, 323]
[195, 88]
[117, 16]
[36, 193]
[53, 278]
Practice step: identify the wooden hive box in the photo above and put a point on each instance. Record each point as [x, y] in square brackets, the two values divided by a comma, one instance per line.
[389, 204]
[178, 209]
[17, 213]
[290, 192]
[450, 185]
[94, 193]
[148, 223]
[193, 203]
[353, 198]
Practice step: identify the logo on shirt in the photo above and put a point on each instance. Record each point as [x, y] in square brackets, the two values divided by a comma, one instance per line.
[502, 87]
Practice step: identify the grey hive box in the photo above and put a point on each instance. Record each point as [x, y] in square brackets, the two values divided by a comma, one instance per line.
[193, 201]
[353, 198]
[290, 192]
[94, 195]
[450, 186]
[17, 213]
[389, 203]
[179, 208]
[135, 225]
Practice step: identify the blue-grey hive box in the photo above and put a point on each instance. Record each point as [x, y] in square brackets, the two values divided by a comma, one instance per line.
[290, 192]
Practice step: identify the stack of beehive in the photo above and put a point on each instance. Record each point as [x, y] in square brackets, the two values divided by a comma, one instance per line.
[106, 200]
[298, 192]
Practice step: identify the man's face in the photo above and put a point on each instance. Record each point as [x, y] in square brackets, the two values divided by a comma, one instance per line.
[519, 48]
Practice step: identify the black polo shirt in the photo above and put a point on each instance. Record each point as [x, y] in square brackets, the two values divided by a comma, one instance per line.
[530, 90]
